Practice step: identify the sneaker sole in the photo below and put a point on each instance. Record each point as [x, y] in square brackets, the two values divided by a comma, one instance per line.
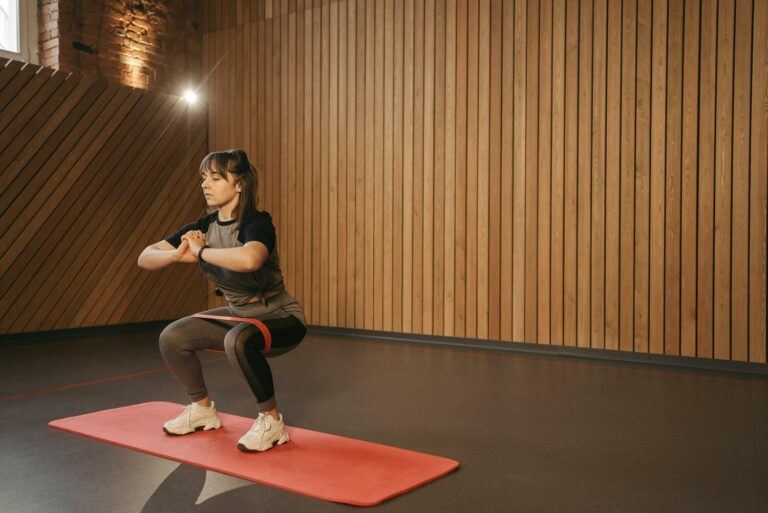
[198, 428]
[279, 441]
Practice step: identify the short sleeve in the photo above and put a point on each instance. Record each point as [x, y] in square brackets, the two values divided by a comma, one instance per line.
[260, 229]
[175, 239]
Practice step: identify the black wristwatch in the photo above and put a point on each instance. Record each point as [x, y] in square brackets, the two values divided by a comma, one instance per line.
[201, 251]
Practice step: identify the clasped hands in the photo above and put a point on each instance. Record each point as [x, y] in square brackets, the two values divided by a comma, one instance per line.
[191, 242]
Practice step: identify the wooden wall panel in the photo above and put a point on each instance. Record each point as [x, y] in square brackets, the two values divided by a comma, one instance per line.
[91, 174]
[597, 204]
[672, 172]
[586, 173]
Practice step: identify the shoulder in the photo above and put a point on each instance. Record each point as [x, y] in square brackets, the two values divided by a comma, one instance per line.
[260, 218]
[258, 227]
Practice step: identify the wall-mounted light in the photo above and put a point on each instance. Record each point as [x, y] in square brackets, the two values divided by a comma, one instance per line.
[190, 96]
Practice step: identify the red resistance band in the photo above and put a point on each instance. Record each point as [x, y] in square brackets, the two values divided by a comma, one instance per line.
[255, 322]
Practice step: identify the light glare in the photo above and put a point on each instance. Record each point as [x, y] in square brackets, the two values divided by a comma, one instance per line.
[190, 96]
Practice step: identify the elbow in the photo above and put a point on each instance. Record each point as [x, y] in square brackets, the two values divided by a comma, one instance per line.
[254, 264]
[140, 261]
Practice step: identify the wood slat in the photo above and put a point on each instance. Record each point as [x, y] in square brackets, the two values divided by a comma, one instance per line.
[758, 188]
[570, 180]
[438, 176]
[557, 246]
[494, 189]
[387, 139]
[518, 33]
[673, 184]
[706, 182]
[418, 167]
[459, 277]
[723, 178]
[597, 204]
[361, 141]
[688, 253]
[377, 168]
[397, 150]
[740, 207]
[584, 179]
[627, 207]
[543, 239]
[531, 171]
[612, 173]
[642, 176]
[658, 109]
[481, 196]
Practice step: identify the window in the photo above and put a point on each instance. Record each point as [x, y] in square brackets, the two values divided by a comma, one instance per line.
[9, 26]
[18, 30]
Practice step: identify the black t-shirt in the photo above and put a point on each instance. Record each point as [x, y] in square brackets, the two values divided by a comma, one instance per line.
[238, 287]
[258, 227]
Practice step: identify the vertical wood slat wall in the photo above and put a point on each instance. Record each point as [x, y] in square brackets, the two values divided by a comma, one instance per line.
[90, 174]
[589, 173]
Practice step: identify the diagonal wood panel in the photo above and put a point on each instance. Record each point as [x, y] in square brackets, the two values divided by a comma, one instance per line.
[92, 173]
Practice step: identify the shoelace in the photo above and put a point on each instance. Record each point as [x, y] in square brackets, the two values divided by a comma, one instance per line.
[184, 414]
[262, 422]
[187, 410]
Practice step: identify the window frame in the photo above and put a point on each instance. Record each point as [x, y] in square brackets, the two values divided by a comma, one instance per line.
[28, 34]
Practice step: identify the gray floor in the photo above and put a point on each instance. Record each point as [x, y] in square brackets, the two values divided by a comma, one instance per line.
[533, 433]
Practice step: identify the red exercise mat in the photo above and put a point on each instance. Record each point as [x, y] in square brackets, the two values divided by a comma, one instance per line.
[317, 464]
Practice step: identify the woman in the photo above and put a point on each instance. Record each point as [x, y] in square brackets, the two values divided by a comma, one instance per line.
[236, 247]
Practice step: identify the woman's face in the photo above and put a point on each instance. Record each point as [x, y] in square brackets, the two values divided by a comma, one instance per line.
[218, 191]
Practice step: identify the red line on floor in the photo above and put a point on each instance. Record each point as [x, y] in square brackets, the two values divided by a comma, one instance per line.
[94, 382]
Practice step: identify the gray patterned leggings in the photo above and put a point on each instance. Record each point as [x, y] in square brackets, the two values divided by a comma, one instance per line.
[243, 343]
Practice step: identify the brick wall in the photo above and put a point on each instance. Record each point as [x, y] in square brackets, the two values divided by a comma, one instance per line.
[147, 44]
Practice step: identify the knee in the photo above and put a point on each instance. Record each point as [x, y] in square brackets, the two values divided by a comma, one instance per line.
[240, 336]
[170, 339]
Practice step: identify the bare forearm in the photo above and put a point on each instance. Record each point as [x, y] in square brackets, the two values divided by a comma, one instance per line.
[234, 259]
[152, 259]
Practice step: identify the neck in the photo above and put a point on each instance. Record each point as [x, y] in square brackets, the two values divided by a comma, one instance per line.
[225, 211]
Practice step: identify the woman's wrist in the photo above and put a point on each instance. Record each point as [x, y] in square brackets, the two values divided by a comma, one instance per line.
[200, 251]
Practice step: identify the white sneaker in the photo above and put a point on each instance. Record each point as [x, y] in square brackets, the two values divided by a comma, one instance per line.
[263, 434]
[193, 418]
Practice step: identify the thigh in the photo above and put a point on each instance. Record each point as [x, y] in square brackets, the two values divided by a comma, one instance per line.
[286, 333]
[196, 334]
